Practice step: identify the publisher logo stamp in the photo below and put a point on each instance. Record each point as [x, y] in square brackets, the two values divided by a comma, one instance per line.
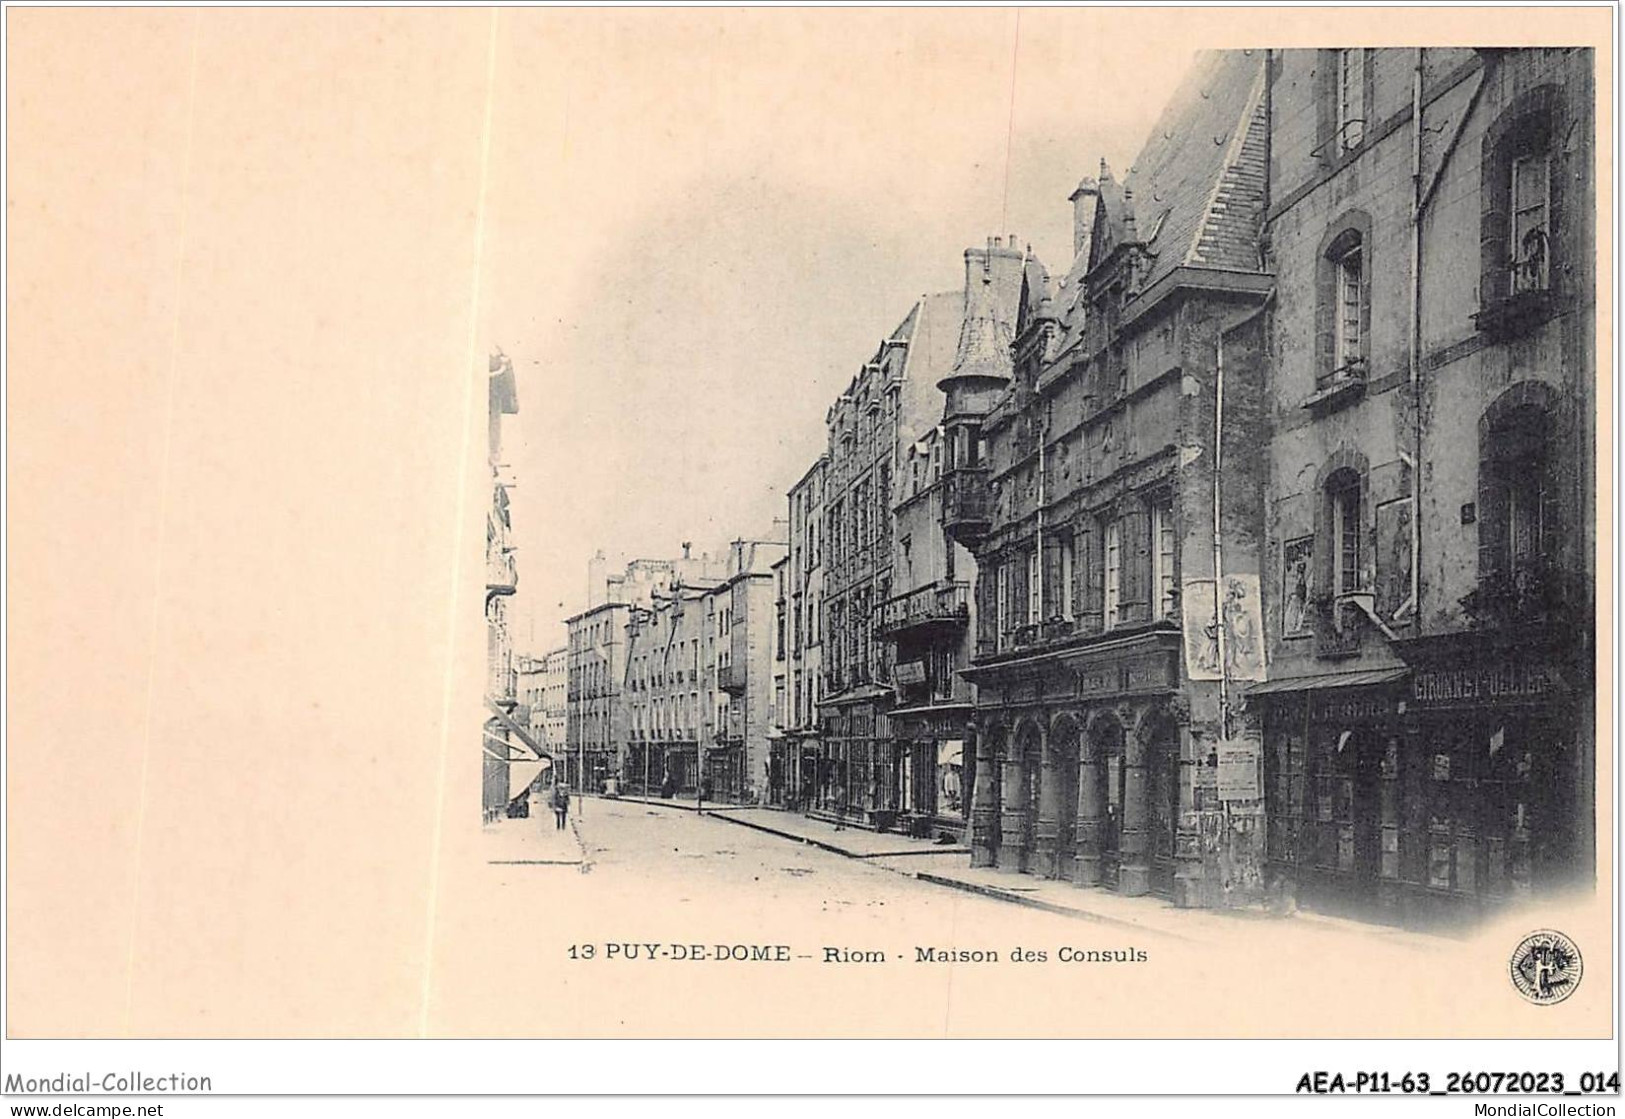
[1546, 967]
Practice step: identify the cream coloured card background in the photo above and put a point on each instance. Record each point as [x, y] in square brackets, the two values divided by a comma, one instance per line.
[256, 261]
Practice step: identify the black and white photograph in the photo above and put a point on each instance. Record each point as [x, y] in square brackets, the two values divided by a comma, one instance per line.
[1000, 524]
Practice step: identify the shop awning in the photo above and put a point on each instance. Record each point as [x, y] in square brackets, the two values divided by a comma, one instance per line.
[517, 730]
[1327, 680]
[521, 774]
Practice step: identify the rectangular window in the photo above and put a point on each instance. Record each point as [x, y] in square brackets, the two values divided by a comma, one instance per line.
[1346, 538]
[1162, 557]
[1531, 195]
[1034, 585]
[1350, 98]
[1350, 285]
[1114, 570]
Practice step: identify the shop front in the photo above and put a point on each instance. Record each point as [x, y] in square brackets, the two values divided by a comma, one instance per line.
[930, 782]
[857, 769]
[1424, 796]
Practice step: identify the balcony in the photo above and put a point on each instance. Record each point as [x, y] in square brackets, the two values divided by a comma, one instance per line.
[1339, 625]
[1342, 385]
[940, 606]
[967, 504]
[501, 576]
[1533, 592]
[731, 678]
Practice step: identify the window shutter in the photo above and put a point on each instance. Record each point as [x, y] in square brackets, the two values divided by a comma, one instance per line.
[1494, 273]
[1018, 590]
[1492, 522]
[1325, 79]
[1550, 544]
[985, 619]
[1326, 311]
[1135, 535]
[1053, 591]
[1091, 569]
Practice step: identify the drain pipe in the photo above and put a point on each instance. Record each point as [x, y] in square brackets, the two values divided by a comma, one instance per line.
[1218, 534]
[1413, 604]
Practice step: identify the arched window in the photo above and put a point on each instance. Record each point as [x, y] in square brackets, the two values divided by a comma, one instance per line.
[1343, 301]
[1343, 515]
[1521, 211]
[1516, 492]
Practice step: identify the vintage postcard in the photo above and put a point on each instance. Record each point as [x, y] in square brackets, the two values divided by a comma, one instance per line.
[812, 523]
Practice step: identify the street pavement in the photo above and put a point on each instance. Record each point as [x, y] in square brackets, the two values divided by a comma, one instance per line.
[869, 937]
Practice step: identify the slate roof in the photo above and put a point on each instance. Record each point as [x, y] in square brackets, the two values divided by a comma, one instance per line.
[1195, 193]
[987, 330]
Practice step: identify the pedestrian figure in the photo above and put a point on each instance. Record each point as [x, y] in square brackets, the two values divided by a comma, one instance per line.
[840, 806]
[561, 805]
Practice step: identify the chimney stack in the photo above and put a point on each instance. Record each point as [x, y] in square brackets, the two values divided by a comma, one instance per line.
[1084, 200]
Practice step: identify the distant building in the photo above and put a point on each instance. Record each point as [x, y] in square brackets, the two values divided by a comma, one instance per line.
[776, 769]
[555, 702]
[740, 625]
[596, 717]
[501, 582]
[595, 724]
[699, 682]
[529, 686]
[870, 770]
[666, 691]
[928, 620]
[798, 751]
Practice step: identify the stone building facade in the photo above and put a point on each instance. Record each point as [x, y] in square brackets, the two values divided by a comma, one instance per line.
[1430, 743]
[741, 617]
[928, 621]
[1109, 519]
[666, 705]
[595, 722]
[865, 771]
[555, 702]
[596, 726]
[798, 751]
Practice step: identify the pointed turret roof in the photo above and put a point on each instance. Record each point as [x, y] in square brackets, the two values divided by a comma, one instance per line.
[985, 334]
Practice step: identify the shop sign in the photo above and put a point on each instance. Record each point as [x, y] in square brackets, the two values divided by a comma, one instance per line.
[1238, 769]
[1512, 682]
[1150, 672]
[1330, 707]
[909, 672]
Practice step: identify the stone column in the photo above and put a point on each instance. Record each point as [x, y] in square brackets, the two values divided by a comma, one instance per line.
[1047, 847]
[1086, 860]
[1013, 821]
[984, 811]
[1134, 871]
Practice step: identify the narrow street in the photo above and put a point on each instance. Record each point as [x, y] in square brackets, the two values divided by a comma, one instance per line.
[730, 925]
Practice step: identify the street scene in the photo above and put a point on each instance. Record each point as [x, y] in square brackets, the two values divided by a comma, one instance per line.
[634, 894]
[1231, 559]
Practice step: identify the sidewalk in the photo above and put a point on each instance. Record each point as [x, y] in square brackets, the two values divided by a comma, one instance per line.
[533, 842]
[950, 867]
